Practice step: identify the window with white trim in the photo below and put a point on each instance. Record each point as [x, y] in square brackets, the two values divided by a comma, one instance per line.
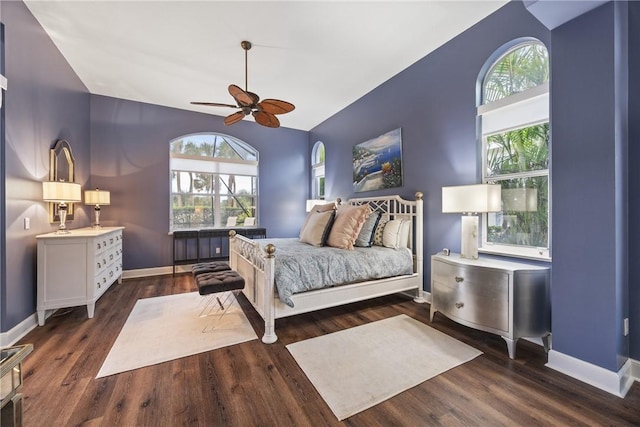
[213, 177]
[514, 126]
[317, 171]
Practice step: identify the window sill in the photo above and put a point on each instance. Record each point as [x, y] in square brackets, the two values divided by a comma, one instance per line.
[515, 253]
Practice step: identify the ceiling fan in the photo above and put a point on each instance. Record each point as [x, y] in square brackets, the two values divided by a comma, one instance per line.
[264, 112]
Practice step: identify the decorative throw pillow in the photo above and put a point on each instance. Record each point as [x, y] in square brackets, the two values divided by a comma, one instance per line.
[317, 227]
[377, 235]
[317, 208]
[396, 234]
[346, 226]
[365, 237]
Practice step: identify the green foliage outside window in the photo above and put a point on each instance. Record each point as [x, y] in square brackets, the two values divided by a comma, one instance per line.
[518, 159]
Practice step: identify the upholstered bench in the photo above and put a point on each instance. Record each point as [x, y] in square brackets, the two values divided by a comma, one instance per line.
[219, 281]
[209, 267]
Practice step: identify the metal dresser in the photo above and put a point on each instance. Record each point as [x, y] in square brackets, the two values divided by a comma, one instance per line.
[507, 298]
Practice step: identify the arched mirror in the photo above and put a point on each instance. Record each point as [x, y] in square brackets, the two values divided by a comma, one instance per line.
[61, 168]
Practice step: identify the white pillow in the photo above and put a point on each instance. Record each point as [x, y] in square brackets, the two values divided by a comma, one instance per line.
[396, 234]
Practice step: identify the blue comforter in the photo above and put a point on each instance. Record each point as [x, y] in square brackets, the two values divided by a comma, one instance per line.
[301, 267]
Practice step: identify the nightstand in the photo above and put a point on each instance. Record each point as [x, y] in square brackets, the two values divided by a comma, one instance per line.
[507, 298]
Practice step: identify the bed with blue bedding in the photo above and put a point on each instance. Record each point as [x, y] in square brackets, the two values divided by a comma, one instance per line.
[285, 277]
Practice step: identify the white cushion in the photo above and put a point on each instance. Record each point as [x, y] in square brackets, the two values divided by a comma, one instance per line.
[396, 234]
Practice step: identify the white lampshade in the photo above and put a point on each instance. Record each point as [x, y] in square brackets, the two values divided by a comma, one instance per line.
[471, 198]
[312, 202]
[97, 197]
[61, 191]
[520, 199]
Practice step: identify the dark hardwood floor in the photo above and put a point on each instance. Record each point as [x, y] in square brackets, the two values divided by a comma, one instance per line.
[254, 384]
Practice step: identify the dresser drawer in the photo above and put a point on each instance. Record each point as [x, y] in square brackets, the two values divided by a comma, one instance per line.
[108, 241]
[472, 295]
[472, 304]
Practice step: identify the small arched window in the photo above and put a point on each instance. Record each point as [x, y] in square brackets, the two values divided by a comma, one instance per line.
[514, 118]
[317, 171]
[214, 177]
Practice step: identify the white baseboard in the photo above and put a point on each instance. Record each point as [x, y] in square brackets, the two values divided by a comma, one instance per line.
[155, 271]
[616, 383]
[13, 335]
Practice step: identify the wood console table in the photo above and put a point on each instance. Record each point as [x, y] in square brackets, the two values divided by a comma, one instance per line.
[210, 244]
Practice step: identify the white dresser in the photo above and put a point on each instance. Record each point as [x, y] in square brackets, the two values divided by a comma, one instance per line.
[77, 268]
[511, 299]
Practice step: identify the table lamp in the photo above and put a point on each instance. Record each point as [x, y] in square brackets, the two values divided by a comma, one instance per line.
[61, 192]
[97, 197]
[471, 200]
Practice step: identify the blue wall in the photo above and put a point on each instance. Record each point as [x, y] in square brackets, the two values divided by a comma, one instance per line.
[434, 102]
[634, 178]
[45, 102]
[589, 222]
[130, 158]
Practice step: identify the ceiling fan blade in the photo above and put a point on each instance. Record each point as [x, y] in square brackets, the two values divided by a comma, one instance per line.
[254, 97]
[234, 118]
[276, 106]
[266, 119]
[242, 97]
[214, 104]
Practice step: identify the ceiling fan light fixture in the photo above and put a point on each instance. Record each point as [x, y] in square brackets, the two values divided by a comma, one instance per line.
[249, 103]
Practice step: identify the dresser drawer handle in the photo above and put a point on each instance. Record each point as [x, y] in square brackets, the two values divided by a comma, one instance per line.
[99, 246]
[104, 280]
[99, 285]
[459, 305]
[99, 265]
[459, 279]
[111, 241]
[111, 274]
[111, 257]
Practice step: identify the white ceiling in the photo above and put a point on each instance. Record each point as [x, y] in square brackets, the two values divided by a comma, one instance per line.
[320, 56]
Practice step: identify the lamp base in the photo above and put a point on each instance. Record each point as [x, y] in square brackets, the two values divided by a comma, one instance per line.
[469, 237]
[97, 225]
[62, 213]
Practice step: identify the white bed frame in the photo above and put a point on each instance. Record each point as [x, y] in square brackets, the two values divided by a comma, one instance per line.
[257, 269]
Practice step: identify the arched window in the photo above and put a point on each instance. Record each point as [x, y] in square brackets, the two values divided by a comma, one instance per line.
[317, 171]
[514, 123]
[213, 177]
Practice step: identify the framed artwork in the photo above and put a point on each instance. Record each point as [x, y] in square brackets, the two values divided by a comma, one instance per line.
[377, 163]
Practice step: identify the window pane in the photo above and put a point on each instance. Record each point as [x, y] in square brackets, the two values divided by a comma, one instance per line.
[525, 67]
[520, 150]
[524, 220]
[192, 211]
[238, 196]
[319, 153]
[206, 185]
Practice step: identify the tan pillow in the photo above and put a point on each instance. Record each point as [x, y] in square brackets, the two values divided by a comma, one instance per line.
[317, 208]
[346, 226]
[316, 228]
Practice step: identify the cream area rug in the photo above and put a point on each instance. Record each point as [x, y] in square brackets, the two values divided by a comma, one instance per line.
[169, 327]
[360, 367]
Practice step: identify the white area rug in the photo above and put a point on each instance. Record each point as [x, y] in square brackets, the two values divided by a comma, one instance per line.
[169, 327]
[360, 367]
